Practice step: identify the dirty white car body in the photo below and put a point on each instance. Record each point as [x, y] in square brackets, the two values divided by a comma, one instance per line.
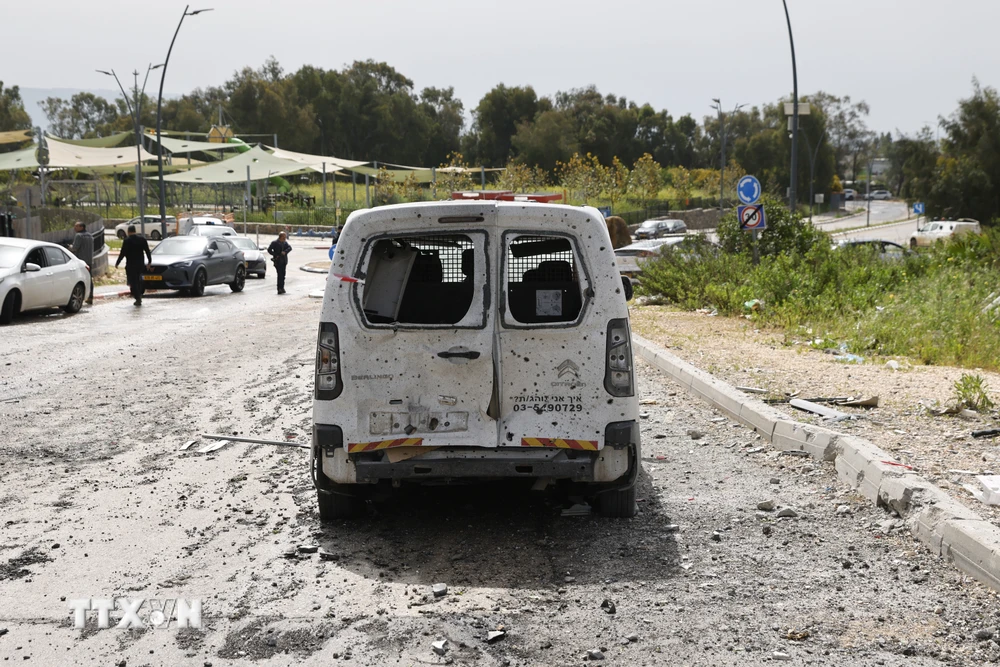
[941, 230]
[474, 340]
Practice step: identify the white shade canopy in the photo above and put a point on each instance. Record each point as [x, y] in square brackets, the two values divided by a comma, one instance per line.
[180, 146]
[234, 170]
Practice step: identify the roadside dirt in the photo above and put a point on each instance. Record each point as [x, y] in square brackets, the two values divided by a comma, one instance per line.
[938, 447]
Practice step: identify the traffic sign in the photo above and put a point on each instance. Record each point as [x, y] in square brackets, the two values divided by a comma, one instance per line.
[918, 208]
[751, 217]
[748, 189]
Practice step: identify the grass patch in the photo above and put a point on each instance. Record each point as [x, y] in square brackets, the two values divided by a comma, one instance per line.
[933, 307]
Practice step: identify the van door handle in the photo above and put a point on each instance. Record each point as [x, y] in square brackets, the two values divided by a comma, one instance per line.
[463, 355]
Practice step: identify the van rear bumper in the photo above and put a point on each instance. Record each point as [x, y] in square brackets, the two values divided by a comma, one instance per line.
[614, 466]
[487, 465]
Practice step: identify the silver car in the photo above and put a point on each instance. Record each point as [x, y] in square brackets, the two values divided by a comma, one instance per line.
[255, 258]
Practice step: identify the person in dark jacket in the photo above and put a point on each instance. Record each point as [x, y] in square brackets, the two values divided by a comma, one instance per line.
[134, 250]
[278, 250]
[83, 248]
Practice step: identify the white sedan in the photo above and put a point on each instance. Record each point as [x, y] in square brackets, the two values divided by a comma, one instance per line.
[36, 275]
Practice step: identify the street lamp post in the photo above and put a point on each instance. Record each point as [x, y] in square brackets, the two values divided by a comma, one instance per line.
[159, 115]
[795, 111]
[813, 154]
[722, 131]
[135, 111]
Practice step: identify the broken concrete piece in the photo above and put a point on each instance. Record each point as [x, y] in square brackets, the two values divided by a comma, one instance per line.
[440, 647]
[495, 636]
[991, 489]
[595, 655]
[187, 445]
[766, 505]
[308, 548]
[439, 590]
[787, 512]
[871, 402]
[816, 408]
[609, 607]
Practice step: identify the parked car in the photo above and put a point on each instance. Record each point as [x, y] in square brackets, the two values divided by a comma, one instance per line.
[256, 258]
[153, 230]
[211, 229]
[192, 263]
[36, 274]
[887, 250]
[407, 384]
[877, 195]
[654, 229]
[630, 258]
[849, 194]
[940, 230]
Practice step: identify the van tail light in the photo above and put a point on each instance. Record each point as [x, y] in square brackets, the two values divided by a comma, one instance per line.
[619, 379]
[329, 381]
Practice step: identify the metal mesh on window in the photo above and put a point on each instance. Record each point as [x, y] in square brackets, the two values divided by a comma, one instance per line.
[444, 249]
[541, 258]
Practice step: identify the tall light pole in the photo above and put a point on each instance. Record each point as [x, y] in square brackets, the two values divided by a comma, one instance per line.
[722, 131]
[813, 154]
[159, 114]
[136, 111]
[795, 111]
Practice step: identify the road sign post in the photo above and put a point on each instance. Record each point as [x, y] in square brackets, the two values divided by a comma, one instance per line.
[751, 214]
[748, 190]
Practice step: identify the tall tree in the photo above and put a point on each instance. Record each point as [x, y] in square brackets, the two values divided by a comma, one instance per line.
[846, 125]
[12, 113]
[498, 117]
[82, 116]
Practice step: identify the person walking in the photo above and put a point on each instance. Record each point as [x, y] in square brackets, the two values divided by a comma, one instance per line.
[83, 248]
[278, 250]
[134, 250]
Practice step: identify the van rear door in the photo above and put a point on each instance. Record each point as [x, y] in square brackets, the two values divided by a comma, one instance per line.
[419, 367]
[552, 331]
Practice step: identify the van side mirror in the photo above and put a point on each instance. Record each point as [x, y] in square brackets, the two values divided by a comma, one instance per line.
[627, 286]
[32, 267]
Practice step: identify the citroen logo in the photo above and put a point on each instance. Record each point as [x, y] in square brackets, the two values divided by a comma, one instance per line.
[568, 368]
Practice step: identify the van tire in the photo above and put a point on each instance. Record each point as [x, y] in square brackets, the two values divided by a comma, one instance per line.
[617, 504]
[334, 506]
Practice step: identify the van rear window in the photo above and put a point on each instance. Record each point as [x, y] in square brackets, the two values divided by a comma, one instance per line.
[543, 280]
[419, 280]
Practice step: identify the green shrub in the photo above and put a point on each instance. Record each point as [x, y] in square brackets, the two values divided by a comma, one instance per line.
[786, 232]
[932, 306]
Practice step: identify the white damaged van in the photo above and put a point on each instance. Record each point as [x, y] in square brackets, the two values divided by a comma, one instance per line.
[473, 340]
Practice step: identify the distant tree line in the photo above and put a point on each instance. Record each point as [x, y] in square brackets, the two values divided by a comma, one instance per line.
[370, 111]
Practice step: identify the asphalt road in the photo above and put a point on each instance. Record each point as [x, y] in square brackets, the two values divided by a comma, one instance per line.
[98, 501]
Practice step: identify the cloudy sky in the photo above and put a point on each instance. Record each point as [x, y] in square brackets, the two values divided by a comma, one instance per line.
[911, 60]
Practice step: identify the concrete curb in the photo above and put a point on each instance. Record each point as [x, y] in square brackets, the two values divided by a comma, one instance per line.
[107, 296]
[946, 526]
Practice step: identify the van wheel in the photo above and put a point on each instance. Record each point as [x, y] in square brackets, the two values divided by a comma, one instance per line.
[155, 235]
[913, 244]
[333, 506]
[617, 504]
[121, 234]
